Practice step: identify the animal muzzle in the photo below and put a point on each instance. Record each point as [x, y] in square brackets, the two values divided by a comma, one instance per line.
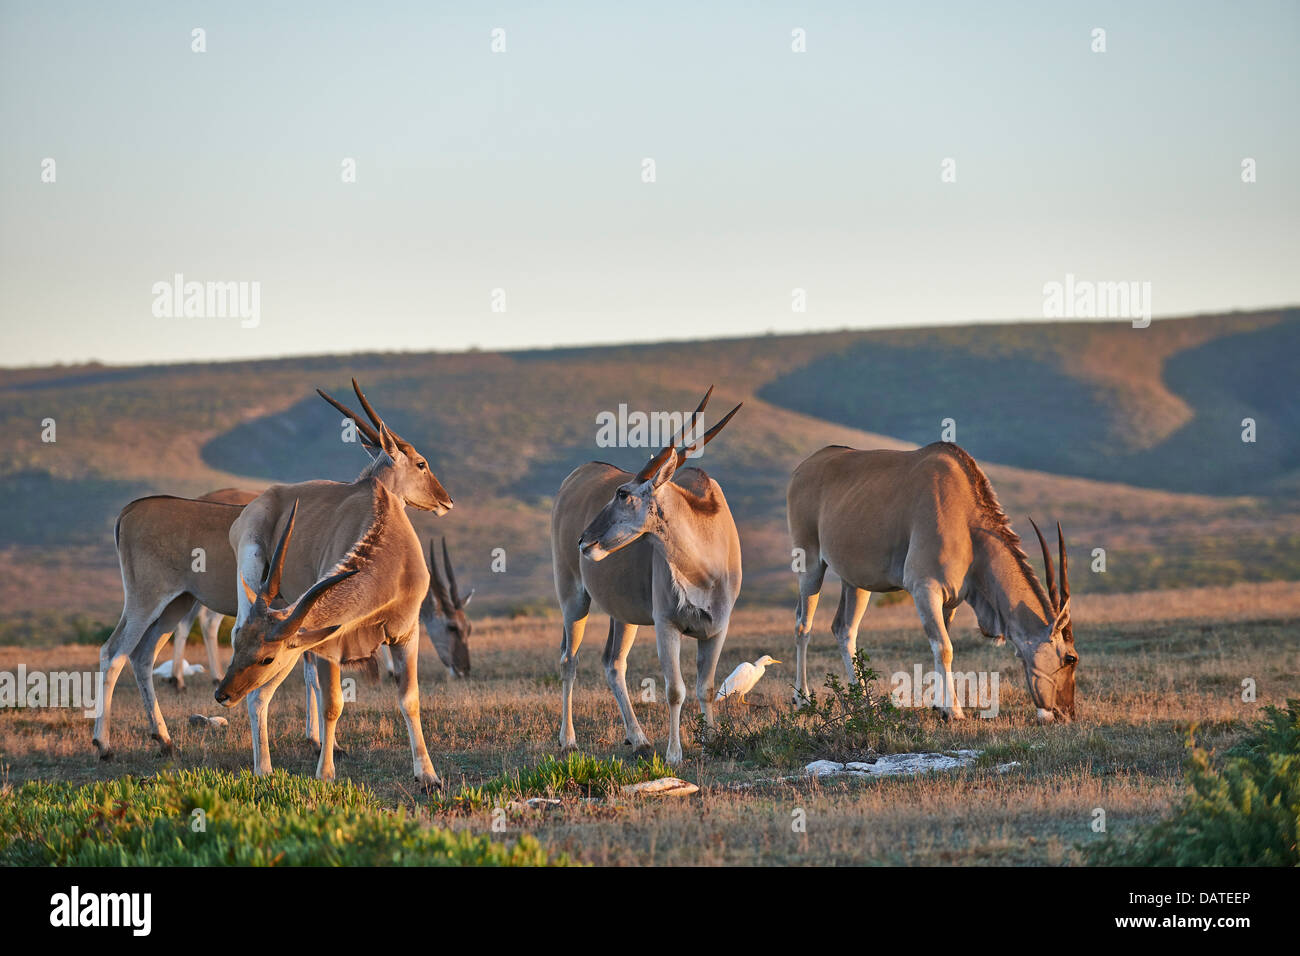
[227, 697]
[1043, 691]
[591, 548]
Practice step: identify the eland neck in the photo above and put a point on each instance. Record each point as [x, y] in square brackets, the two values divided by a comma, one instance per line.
[1007, 596]
[689, 542]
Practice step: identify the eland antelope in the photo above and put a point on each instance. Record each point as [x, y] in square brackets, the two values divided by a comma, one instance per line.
[159, 541]
[443, 614]
[361, 527]
[655, 548]
[927, 522]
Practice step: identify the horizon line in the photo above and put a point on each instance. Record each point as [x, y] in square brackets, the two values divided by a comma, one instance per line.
[584, 346]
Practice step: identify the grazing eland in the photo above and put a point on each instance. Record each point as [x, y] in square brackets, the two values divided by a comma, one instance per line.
[655, 548]
[927, 522]
[443, 614]
[360, 526]
[742, 680]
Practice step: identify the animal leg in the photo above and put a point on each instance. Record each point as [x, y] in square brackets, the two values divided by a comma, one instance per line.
[143, 657]
[810, 586]
[331, 695]
[707, 653]
[112, 657]
[853, 604]
[258, 702]
[669, 642]
[621, 638]
[179, 638]
[930, 605]
[575, 624]
[386, 662]
[311, 681]
[210, 624]
[408, 682]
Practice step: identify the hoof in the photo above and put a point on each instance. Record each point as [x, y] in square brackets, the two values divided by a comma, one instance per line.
[430, 784]
[645, 752]
[164, 746]
[105, 753]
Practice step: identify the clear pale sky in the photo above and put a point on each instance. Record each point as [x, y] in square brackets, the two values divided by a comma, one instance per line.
[522, 170]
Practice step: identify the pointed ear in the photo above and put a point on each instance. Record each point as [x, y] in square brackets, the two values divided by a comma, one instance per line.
[312, 637]
[387, 441]
[1062, 616]
[667, 468]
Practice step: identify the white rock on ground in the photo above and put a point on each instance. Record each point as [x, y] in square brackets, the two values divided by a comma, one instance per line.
[533, 803]
[198, 720]
[663, 787]
[894, 765]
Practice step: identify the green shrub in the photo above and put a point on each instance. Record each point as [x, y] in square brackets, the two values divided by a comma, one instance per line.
[1245, 814]
[277, 820]
[575, 774]
[846, 723]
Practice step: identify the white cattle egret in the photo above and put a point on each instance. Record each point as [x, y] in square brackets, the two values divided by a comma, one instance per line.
[187, 669]
[742, 680]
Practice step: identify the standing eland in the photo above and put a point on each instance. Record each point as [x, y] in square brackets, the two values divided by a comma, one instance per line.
[360, 526]
[655, 548]
[927, 522]
[175, 555]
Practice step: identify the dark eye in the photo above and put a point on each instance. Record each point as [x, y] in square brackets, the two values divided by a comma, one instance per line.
[266, 662]
[623, 494]
[422, 465]
[1071, 659]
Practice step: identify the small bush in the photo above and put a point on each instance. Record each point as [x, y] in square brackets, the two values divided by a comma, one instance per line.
[1246, 814]
[278, 820]
[575, 774]
[844, 723]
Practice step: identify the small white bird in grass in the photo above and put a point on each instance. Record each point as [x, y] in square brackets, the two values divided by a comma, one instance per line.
[742, 680]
